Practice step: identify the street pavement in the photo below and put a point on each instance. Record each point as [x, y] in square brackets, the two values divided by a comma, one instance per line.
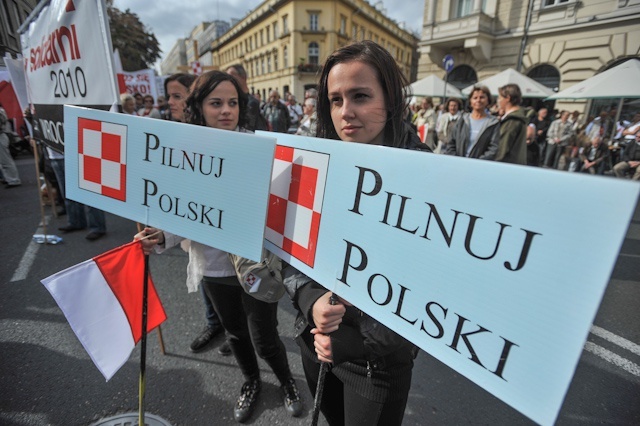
[46, 377]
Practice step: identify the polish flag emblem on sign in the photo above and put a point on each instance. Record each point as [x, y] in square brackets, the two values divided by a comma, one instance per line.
[295, 201]
[102, 160]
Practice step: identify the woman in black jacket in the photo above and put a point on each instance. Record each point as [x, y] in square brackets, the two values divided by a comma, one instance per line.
[361, 99]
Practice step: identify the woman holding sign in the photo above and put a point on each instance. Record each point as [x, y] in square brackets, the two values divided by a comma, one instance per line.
[251, 325]
[360, 99]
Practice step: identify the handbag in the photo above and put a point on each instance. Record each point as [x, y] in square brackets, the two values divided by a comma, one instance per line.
[261, 280]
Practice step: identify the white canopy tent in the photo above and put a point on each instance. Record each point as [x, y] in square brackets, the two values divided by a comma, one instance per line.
[434, 86]
[622, 81]
[529, 87]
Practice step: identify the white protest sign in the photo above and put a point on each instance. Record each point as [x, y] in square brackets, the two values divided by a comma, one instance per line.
[143, 82]
[68, 60]
[205, 184]
[495, 269]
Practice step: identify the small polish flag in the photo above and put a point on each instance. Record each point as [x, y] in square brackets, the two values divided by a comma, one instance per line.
[102, 300]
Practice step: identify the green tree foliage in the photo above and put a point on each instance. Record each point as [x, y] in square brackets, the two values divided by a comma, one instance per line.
[139, 49]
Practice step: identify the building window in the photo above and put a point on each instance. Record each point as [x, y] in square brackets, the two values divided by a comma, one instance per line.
[553, 2]
[275, 61]
[262, 71]
[313, 21]
[261, 38]
[285, 57]
[355, 32]
[547, 75]
[362, 32]
[463, 76]
[314, 53]
[464, 8]
[269, 63]
[268, 34]
[285, 24]
[275, 30]
[343, 24]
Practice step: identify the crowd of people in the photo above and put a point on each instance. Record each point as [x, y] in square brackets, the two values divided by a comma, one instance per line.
[361, 97]
[507, 132]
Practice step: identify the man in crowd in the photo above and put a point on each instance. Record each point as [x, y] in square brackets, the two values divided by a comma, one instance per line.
[276, 114]
[9, 171]
[630, 160]
[558, 138]
[541, 124]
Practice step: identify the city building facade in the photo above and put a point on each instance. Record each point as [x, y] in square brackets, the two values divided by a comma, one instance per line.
[283, 43]
[556, 42]
[12, 14]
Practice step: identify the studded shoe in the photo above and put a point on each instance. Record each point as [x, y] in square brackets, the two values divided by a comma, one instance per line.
[247, 400]
[292, 401]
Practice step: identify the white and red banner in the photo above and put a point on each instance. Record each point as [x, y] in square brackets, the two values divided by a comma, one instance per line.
[143, 82]
[102, 301]
[68, 60]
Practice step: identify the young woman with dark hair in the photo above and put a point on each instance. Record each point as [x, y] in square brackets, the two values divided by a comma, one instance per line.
[250, 324]
[361, 99]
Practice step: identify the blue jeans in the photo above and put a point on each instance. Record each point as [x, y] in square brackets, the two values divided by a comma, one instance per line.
[75, 211]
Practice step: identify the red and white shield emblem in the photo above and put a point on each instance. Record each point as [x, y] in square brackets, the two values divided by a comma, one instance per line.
[102, 158]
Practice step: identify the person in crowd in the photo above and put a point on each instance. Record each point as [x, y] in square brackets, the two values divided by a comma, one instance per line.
[251, 324]
[295, 111]
[476, 134]
[276, 114]
[128, 104]
[139, 101]
[255, 119]
[311, 93]
[447, 121]
[630, 160]
[10, 173]
[176, 87]
[628, 134]
[601, 126]
[541, 123]
[532, 148]
[360, 99]
[163, 108]
[426, 117]
[558, 138]
[593, 157]
[309, 122]
[512, 147]
[149, 109]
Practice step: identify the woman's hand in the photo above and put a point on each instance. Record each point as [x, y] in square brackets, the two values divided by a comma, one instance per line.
[322, 345]
[327, 317]
[149, 237]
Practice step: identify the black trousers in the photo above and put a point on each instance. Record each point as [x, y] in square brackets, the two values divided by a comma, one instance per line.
[342, 405]
[251, 326]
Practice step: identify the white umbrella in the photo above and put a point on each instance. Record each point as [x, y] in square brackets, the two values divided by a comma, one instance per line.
[622, 81]
[434, 86]
[528, 86]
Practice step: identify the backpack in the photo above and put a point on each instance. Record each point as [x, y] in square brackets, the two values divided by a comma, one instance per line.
[261, 280]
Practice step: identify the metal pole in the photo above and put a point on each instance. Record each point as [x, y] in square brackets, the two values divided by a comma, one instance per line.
[525, 35]
[143, 343]
[324, 367]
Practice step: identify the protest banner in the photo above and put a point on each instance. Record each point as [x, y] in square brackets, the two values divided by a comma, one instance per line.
[497, 270]
[68, 60]
[204, 184]
[143, 82]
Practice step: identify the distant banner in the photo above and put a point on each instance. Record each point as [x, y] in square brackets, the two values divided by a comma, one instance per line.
[495, 269]
[205, 184]
[68, 60]
[143, 82]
